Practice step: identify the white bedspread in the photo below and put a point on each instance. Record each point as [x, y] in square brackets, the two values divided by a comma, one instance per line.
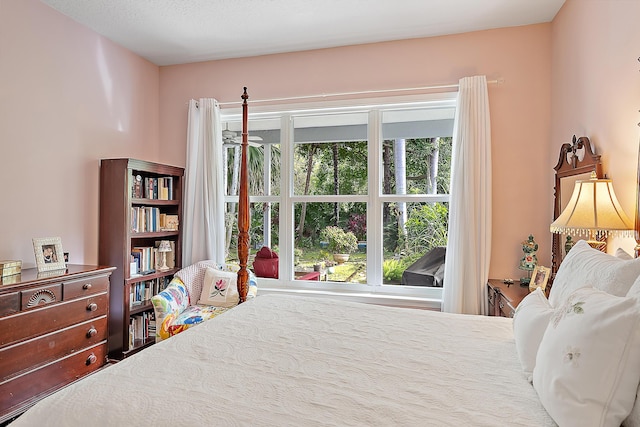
[299, 361]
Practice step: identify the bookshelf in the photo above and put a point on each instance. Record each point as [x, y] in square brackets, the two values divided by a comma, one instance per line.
[140, 205]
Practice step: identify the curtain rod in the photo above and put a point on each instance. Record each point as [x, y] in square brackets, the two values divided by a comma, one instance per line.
[364, 92]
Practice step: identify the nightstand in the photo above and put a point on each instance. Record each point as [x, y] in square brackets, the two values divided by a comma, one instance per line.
[504, 299]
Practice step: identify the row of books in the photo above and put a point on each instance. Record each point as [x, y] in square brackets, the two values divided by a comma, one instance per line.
[145, 219]
[152, 188]
[147, 259]
[143, 291]
[141, 327]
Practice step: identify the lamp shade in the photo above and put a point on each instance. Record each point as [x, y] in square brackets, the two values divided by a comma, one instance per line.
[593, 207]
[165, 246]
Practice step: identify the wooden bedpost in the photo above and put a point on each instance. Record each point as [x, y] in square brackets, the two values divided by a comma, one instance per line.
[243, 207]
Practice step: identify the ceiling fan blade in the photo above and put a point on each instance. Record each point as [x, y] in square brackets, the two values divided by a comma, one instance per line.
[250, 138]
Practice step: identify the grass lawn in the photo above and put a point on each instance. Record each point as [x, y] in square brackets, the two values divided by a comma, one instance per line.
[352, 271]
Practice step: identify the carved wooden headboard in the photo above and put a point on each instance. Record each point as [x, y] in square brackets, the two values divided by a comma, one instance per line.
[576, 161]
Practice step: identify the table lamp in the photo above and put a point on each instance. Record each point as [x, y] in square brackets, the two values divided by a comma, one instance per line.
[593, 211]
[163, 248]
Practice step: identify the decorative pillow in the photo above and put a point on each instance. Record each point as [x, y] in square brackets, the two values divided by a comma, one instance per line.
[586, 371]
[633, 420]
[193, 277]
[220, 288]
[622, 254]
[634, 290]
[585, 266]
[529, 323]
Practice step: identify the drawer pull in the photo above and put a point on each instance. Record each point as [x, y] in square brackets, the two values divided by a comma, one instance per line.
[501, 304]
[91, 359]
[86, 286]
[92, 332]
[92, 307]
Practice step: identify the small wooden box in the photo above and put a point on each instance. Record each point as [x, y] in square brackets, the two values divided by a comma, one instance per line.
[9, 268]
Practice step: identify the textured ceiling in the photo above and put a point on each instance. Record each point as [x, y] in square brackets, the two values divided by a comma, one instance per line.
[180, 31]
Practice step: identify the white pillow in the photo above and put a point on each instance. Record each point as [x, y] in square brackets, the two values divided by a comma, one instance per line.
[220, 288]
[585, 266]
[529, 323]
[587, 369]
[634, 290]
[633, 420]
[622, 254]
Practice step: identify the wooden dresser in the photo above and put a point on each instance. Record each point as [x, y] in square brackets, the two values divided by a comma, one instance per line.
[503, 298]
[53, 331]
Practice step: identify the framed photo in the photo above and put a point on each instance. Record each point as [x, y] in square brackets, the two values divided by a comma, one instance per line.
[539, 278]
[49, 254]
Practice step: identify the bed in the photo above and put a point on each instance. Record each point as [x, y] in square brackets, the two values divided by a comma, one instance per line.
[308, 361]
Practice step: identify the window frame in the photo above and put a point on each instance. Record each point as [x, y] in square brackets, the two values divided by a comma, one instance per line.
[374, 290]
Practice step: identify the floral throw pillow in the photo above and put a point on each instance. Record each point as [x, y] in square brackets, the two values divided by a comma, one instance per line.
[586, 371]
[219, 289]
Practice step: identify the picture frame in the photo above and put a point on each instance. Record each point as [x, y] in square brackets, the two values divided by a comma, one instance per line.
[539, 278]
[49, 254]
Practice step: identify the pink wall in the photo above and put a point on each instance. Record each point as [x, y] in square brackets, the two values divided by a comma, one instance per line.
[519, 107]
[69, 98]
[596, 87]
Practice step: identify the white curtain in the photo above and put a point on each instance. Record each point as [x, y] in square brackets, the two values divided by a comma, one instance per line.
[469, 238]
[203, 228]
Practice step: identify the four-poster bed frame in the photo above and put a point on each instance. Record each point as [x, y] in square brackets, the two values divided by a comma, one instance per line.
[300, 360]
[243, 205]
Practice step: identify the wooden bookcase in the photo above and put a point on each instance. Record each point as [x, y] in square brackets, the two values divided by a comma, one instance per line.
[121, 202]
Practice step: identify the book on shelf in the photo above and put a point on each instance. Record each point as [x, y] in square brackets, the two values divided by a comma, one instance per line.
[141, 292]
[145, 219]
[158, 188]
[141, 327]
[144, 258]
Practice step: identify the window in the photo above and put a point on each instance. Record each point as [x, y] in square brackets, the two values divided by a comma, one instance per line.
[370, 182]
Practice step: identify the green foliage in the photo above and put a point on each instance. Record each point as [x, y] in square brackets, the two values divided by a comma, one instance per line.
[392, 270]
[352, 168]
[427, 227]
[340, 241]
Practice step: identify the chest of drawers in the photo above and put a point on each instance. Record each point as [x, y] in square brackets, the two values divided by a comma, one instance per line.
[53, 331]
[503, 298]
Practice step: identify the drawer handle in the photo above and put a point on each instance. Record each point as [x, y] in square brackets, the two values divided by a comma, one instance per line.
[501, 304]
[92, 332]
[91, 359]
[92, 307]
[86, 286]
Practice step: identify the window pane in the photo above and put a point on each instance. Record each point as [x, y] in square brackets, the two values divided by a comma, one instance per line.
[264, 216]
[416, 151]
[408, 237]
[264, 147]
[315, 247]
[330, 154]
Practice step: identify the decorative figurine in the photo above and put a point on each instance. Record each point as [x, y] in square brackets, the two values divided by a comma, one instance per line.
[568, 245]
[529, 260]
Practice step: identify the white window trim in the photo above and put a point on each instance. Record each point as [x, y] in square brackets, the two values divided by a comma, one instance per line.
[403, 296]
